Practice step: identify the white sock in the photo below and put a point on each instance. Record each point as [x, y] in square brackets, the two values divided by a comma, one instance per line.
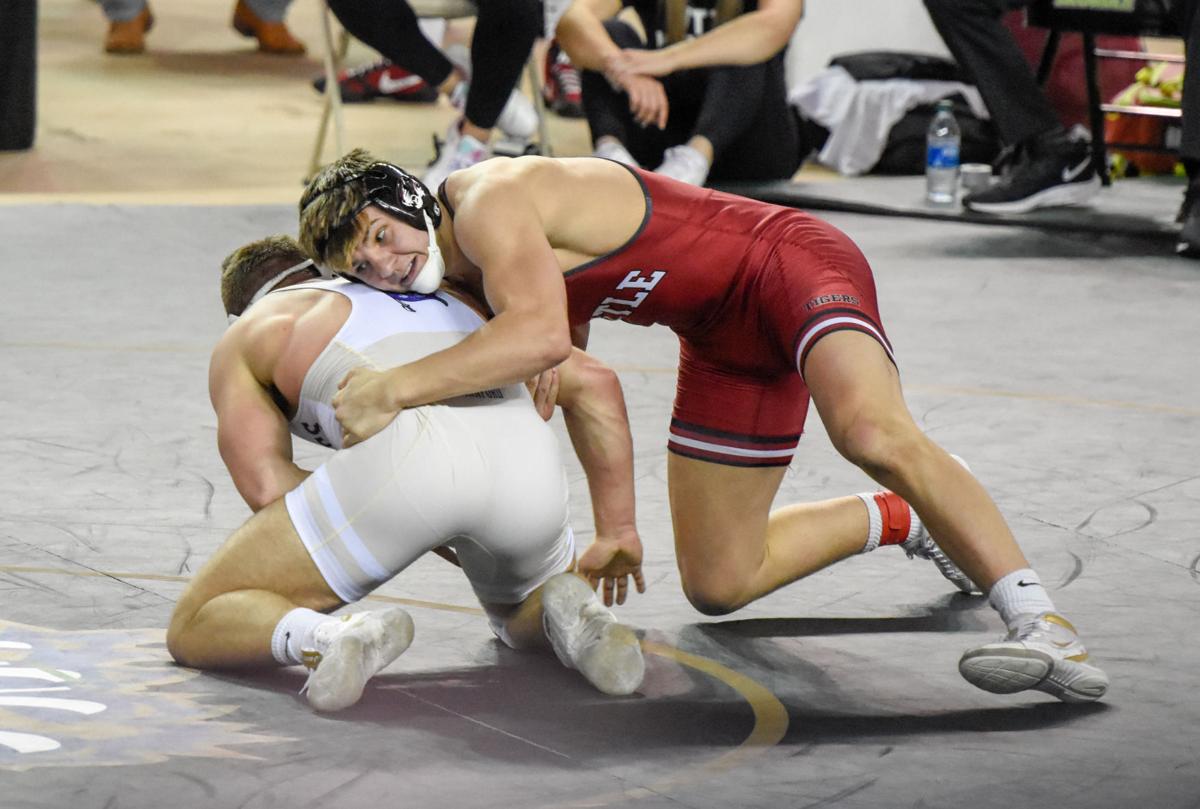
[294, 633]
[1019, 593]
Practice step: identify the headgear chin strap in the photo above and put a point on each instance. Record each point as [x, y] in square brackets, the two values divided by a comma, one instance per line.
[274, 281]
[431, 274]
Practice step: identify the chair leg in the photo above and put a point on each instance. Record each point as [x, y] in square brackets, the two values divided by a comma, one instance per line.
[1095, 114]
[332, 106]
[539, 103]
[1048, 54]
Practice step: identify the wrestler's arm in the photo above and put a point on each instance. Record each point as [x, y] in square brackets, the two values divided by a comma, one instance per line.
[252, 433]
[745, 40]
[593, 407]
[499, 229]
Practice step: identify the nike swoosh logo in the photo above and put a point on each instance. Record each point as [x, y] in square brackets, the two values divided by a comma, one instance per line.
[1067, 174]
[388, 85]
[1024, 583]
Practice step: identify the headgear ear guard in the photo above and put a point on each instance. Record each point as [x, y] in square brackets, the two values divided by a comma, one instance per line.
[400, 194]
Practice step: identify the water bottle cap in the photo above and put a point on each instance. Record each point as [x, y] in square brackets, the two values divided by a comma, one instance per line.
[945, 104]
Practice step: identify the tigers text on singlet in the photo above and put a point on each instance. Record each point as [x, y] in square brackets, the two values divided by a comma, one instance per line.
[383, 330]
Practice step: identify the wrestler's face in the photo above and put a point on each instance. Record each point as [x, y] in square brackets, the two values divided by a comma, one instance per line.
[390, 254]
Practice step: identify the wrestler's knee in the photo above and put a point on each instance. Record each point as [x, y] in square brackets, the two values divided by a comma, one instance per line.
[713, 595]
[881, 446]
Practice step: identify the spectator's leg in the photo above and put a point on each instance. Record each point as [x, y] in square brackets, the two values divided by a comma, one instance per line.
[122, 10]
[607, 109]
[746, 118]
[505, 31]
[974, 32]
[1189, 146]
[390, 27]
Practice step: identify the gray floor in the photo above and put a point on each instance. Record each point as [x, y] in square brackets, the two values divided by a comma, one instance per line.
[1062, 365]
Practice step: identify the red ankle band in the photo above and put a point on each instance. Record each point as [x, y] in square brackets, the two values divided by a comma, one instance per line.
[897, 519]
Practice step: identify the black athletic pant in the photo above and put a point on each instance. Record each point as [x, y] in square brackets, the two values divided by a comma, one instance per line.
[743, 111]
[505, 31]
[975, 33]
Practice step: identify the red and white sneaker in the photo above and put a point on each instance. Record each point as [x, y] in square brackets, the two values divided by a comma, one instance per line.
[561, 88]
[381, 80]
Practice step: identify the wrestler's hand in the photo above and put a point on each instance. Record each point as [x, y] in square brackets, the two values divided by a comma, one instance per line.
[362, 405]
[544, 390]
[641, 62]
[612, 560]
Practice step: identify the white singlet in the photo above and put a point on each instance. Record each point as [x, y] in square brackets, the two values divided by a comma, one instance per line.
[481, 473]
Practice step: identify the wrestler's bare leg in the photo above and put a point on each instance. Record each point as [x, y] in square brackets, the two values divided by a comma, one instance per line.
[229, 611]
[856, 390]
[732, 549]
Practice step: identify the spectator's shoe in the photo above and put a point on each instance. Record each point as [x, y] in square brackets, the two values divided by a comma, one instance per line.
[922, 546]
[518, 120]
[1189, 216]
[586, 636]
[273, 37]
[1044, 653]
[129, 36]
[562, 90]
[457, 151]
[352, 651]
[1042, 175]
[380, 80]
[613, 149]
[685, 164]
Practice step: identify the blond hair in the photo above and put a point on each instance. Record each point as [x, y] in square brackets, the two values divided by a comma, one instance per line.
[329, 229]
[245, 270]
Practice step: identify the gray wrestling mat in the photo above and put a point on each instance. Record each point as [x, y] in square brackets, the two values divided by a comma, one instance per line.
[1142, 207]
[1061, 365]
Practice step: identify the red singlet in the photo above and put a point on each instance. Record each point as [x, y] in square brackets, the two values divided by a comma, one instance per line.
[749, 288]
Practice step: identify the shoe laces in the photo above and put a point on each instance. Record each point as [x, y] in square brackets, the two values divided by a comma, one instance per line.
[567, 76]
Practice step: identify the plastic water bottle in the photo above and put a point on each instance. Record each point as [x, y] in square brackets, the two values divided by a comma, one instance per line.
[942, 142]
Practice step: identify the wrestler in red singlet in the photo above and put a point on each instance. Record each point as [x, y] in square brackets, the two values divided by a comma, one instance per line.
[749, 288]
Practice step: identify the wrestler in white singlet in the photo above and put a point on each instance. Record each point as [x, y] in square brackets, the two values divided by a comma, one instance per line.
[480, 473]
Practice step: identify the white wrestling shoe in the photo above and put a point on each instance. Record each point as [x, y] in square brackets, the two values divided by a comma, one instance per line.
[355, 649]
[922, 546]
[586, 636]
[1044, 653]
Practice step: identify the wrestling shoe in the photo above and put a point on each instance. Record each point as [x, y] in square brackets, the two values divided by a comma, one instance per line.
[586, 636]
[1042, 175]
[562, 90]
[129, 36]
[273, 36]
[351, 651]
[1044, 653]
[457, 151]
[380, 80]
[922, 546]
[685, 164]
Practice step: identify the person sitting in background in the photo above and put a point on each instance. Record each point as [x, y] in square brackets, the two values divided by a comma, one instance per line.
[129, 20]
[1050, 165]
[484, 89]
[704, 97]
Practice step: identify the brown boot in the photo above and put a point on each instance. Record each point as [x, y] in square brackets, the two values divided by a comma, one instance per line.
[129, 36]
[273, 37]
